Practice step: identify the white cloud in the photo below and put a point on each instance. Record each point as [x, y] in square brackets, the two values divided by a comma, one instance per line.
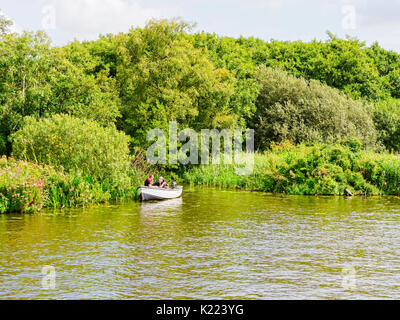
[86, 19]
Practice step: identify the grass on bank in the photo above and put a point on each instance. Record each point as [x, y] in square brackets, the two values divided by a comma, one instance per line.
[310, 170]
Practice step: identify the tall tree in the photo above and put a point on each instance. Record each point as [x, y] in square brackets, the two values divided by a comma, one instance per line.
[37, 80]
[162, 77]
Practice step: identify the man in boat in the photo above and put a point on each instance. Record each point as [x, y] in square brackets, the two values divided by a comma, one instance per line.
[161, 183]
[149, 181]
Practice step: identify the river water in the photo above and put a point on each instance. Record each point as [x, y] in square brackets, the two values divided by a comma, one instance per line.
[210, 244]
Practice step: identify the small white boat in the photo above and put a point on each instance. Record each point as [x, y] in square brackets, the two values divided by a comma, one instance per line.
[147, 193]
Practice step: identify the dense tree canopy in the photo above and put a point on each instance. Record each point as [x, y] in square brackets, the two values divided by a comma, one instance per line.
[346, 64]
[145, 78]
[162, 77]
[227, 53]
[37, 80]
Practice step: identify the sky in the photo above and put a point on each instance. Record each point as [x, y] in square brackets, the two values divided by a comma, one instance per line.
[67, 20]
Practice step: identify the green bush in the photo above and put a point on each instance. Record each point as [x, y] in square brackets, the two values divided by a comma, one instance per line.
[387, 123]
[290, 108]
[76, 144]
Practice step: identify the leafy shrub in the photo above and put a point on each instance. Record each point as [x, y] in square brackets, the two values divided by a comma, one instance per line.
[387, 123]
[76, 144]
[298, 110]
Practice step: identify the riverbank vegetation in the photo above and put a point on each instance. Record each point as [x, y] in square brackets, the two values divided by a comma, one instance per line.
[76, 117]
[28, 187]
[337, 169]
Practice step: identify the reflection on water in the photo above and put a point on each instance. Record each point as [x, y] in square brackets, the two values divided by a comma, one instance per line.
[209, 244]
[166, 207]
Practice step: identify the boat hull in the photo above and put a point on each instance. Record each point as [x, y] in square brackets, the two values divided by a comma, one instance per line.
[147, 193]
